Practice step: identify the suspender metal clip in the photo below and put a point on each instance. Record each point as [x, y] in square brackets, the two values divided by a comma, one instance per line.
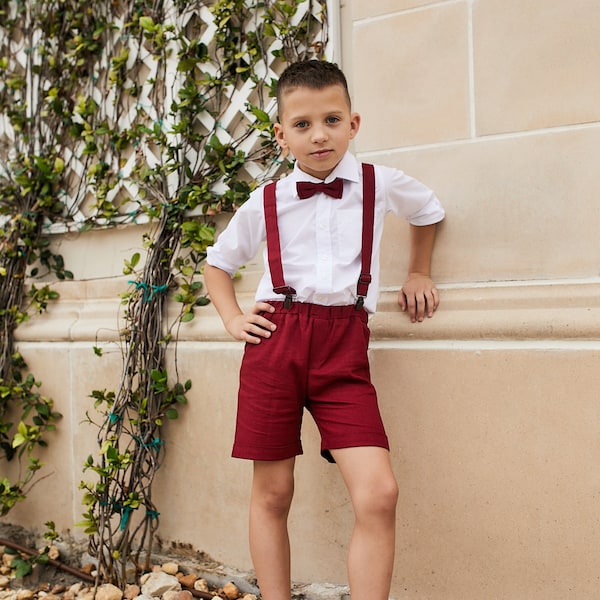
[289, 293]
[360, 302]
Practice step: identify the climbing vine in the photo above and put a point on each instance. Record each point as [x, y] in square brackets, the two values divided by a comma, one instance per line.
[126, 112]
[36, 119]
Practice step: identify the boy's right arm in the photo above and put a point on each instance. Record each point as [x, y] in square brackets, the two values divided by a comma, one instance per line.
[247, 326]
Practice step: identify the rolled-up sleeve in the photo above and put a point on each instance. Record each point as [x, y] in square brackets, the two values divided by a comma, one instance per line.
[410, 199]
[239, 241]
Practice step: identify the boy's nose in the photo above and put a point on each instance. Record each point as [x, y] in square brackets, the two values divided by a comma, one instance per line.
[319, 135]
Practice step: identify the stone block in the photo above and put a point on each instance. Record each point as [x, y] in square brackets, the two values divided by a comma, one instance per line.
[410, 78]
[535, 64]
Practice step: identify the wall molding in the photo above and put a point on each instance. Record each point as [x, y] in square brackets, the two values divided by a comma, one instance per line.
[91, 310]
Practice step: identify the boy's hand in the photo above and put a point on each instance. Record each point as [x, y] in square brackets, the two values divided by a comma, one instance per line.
[418, 296]
[251, 326]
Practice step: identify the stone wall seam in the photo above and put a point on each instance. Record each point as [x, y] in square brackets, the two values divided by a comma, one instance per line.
[367, 154]
[471, 59]
[407, 11]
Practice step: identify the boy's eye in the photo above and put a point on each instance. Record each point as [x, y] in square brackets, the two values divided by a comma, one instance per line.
[332, 119]
[302, 124]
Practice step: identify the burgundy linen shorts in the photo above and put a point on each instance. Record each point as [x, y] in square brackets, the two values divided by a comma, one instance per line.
[316, 359]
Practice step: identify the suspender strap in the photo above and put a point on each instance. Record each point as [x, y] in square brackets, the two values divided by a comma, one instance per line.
[368, 221]
[274, 245]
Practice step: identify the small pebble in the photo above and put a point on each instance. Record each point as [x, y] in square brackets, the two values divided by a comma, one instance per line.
[231, 591]
[170, 568]
[188, 580]
[53, 553]
[131, 591]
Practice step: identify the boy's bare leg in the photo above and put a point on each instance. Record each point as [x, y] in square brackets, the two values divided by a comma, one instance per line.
[272, 492]
[373, 490]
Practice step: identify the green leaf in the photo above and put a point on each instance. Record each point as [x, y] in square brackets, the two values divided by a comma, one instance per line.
[18, 440]
[261, 115]
[171, 413]
[158, 376]
[22, 567]
[147, 24]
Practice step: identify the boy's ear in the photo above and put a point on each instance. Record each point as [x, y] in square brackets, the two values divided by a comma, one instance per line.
[279, 136]
[354, 124]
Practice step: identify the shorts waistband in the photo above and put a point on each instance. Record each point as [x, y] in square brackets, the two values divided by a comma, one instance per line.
[318, 310]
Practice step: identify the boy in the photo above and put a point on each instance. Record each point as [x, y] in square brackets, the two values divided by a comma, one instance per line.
[306, 336]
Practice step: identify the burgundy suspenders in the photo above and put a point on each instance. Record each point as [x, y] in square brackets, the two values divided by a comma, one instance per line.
[368, 220]
[274, 245]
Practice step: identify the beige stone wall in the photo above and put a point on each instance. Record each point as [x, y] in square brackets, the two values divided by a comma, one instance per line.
[491, 406]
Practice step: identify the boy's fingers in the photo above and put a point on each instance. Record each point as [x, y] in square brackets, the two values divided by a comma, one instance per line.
[262, 307]
[420, 303]
[402, 299]
[256, 326]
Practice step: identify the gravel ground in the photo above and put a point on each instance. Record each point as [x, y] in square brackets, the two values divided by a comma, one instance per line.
[192, 575]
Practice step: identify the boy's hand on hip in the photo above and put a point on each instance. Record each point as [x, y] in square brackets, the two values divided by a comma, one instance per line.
[251, 326]
[419, 297]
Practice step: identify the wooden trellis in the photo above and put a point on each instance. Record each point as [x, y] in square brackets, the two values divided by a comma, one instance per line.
[149, 106]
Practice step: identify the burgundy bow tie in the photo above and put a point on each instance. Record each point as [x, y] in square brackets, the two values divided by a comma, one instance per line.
[306, 189]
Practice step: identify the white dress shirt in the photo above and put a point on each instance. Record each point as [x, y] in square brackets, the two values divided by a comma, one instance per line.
[321, 237]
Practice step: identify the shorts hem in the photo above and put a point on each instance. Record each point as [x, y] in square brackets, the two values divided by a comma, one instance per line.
[326, 450]
[265, 454]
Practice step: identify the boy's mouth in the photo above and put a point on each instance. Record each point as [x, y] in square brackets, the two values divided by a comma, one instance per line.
[321, 153]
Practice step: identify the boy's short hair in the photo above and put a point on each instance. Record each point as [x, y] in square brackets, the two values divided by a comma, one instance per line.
[315, 74]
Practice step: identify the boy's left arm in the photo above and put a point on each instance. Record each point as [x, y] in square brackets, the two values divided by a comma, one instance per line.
[419, 296]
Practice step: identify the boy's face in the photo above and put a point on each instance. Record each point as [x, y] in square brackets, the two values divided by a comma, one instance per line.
[316, 126]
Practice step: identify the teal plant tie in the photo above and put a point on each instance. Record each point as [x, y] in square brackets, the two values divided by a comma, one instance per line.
[139, 285]
[149, 291]
[125, 517]
[114, 417]
[159, 289]
[153, 514]
[155, 444]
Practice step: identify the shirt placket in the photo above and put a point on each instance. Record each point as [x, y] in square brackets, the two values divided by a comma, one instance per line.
[324, 244]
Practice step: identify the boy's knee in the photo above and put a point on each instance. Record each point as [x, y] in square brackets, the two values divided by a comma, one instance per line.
[275, 497]
[379, 502]
[391, 493]
[388, 495]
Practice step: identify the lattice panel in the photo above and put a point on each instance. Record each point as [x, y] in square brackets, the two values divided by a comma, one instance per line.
[120, 112]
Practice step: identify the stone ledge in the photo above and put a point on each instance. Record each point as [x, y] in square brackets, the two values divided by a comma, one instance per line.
[91, 311]
[523, 311]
